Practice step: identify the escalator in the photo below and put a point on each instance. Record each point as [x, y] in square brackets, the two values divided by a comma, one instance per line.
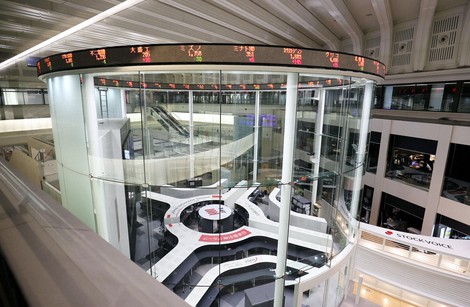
[168, 121]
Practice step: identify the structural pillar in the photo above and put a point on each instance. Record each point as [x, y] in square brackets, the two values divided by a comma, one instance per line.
[317, 146]
[123, 103]
[94, 155]
[191, 135]
[361, 150]
[286, 188]
[256, 137]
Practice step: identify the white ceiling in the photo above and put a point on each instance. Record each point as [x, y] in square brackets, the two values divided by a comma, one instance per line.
[342, 25]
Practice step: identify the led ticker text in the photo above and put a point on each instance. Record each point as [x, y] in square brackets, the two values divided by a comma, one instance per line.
[295, 55]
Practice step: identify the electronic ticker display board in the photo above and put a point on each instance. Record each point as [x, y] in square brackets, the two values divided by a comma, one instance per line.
[209, 54]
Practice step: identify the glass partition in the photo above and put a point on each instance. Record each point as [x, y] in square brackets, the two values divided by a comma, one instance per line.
[436, 97]
[193, 154]
[188, 175]
[13, 96]
[201, 158]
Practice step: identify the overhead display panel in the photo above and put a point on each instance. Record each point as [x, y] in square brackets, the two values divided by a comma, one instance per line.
[208, 54]
[214, 87]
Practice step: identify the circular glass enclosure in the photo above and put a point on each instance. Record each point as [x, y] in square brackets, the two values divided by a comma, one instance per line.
[269, 142]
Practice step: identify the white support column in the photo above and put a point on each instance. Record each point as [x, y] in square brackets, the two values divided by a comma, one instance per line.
[386, 126]
[358, 290]
[191, 135]
[325, 293]
[297, 299]
[361, 148]
[256, 138]
[94, 155]
[317, 145]
[286, 189]
[438, 173]
[123, 104]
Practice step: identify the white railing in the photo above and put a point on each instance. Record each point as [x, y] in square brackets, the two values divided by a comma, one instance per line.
[445, 254]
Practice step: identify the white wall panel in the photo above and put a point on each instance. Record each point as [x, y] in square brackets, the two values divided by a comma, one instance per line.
[405, 192]
[417, 130]
[461, 135]
[454, 210]
[435, 284]
[72, 161]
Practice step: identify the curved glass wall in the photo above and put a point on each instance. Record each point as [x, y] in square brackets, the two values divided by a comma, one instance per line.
[190, 171]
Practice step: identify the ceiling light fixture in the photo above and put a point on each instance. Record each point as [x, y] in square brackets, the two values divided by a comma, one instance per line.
[109, 12]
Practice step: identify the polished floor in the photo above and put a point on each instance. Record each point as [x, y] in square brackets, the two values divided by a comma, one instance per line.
[369, 298]
[372, 298]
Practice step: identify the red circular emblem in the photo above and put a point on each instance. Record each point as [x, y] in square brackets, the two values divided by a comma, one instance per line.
[388, 232]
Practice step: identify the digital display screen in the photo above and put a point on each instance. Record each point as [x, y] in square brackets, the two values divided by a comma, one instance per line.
[214, 87]
[31, 61]
[208, 54]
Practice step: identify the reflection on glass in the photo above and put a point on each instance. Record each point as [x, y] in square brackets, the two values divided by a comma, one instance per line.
[457, 179]
[373, 152]
[398, 214]
[411, 160]
[464, 101]
[440, 97]
[366, 204]
[448, 228]
[198, 158]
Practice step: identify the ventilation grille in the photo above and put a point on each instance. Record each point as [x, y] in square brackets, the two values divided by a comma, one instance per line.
[372, 52]
[372, 48]
[443, 39]
[402, 46]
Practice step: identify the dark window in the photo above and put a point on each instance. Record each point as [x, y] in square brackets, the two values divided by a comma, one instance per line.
[411, 160]
[457, 178]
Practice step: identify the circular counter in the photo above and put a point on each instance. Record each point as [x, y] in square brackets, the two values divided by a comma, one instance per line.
[215, 218]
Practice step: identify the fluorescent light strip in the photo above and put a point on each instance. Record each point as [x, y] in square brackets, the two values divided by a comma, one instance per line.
[114, 10]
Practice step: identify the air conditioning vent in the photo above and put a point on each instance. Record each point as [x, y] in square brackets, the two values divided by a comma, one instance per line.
[372, 52]
[402, 46]
[443, 39]
[372, 47]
